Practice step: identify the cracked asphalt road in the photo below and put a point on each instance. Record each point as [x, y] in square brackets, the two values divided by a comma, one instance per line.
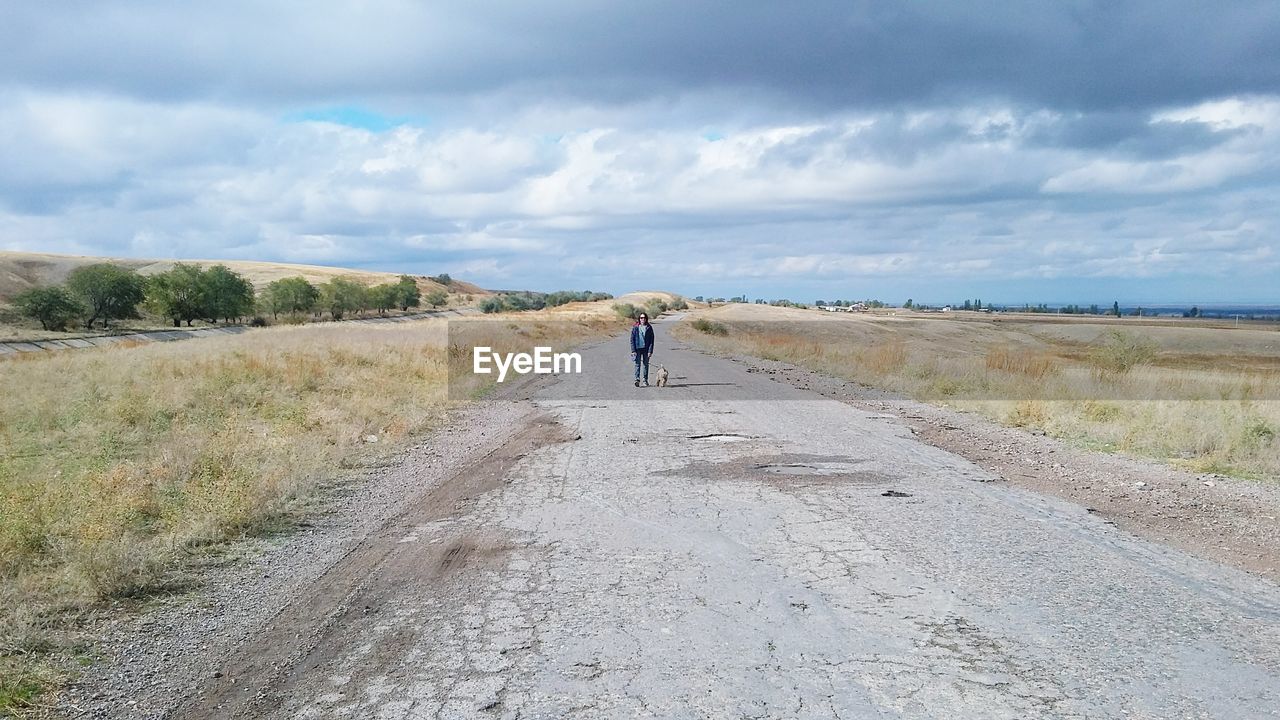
[732, 547]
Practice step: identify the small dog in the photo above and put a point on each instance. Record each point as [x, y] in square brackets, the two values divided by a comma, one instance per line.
[662, 376]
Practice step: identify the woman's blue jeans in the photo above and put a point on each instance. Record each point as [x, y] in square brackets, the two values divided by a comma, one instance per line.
[641, 358]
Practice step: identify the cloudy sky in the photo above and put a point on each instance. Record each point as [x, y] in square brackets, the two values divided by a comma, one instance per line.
[1072, 151]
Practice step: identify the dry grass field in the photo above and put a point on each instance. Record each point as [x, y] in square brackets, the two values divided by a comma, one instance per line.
[1200, 396]
[119, 467]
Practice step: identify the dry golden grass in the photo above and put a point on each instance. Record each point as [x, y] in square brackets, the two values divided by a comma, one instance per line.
[119, 465]
[1125, 392]
[1020, 360]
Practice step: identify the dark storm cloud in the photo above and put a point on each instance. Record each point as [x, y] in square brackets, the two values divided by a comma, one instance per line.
[1132, 134]
[822, 55]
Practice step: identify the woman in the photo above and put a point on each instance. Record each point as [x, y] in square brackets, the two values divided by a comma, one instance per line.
[642, 346]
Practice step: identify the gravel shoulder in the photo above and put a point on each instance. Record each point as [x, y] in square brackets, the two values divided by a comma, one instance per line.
[145, 661]
[1229, 520]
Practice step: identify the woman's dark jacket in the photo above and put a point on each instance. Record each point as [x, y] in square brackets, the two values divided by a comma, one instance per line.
[647, 341]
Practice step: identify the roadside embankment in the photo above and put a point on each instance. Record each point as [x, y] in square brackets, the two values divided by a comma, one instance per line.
[122, 467]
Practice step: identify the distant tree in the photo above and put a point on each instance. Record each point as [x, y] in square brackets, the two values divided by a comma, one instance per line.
[436, 298]
[698, 298]
[407, 293]
[491, 304]
[1115, 308]
[909, 304]
[110, 292]
[226, 294]
[178, 294]
[291, 295]
[343, 296]
[364, 299]
[384, 297]
[1193, 312]
[442, 278]
[54, 307]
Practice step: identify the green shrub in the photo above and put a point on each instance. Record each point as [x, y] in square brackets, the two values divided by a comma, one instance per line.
[1120, 353]
[655, 307]
[704, 325]
[1260, 433]
[626, 311]
[561, 297]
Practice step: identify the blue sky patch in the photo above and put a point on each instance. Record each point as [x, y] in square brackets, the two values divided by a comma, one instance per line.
[356, 117]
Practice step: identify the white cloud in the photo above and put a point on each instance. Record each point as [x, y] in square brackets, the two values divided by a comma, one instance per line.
[965, 193]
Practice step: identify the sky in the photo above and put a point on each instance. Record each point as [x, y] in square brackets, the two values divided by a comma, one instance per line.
[1030, 151]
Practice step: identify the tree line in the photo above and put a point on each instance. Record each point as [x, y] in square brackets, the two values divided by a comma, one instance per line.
[652, 308]
[518, 301]
[106, 292]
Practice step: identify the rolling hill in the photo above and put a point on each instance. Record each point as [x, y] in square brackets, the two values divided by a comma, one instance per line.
[21, 271]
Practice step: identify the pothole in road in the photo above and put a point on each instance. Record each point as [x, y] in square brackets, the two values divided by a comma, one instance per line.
[803, 469]
[722, 437]
[792, 470]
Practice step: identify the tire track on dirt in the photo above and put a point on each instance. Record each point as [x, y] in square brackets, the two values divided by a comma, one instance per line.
[260, 673]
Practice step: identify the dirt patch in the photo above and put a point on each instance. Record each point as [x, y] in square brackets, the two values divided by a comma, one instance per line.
[1229, 520]
[469, 550]
[257, 673]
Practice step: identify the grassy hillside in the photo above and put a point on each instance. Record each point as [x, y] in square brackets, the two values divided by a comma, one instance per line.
[21, 271]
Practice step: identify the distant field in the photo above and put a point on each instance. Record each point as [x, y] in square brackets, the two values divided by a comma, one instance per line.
[1203, 395]
[118, 466]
